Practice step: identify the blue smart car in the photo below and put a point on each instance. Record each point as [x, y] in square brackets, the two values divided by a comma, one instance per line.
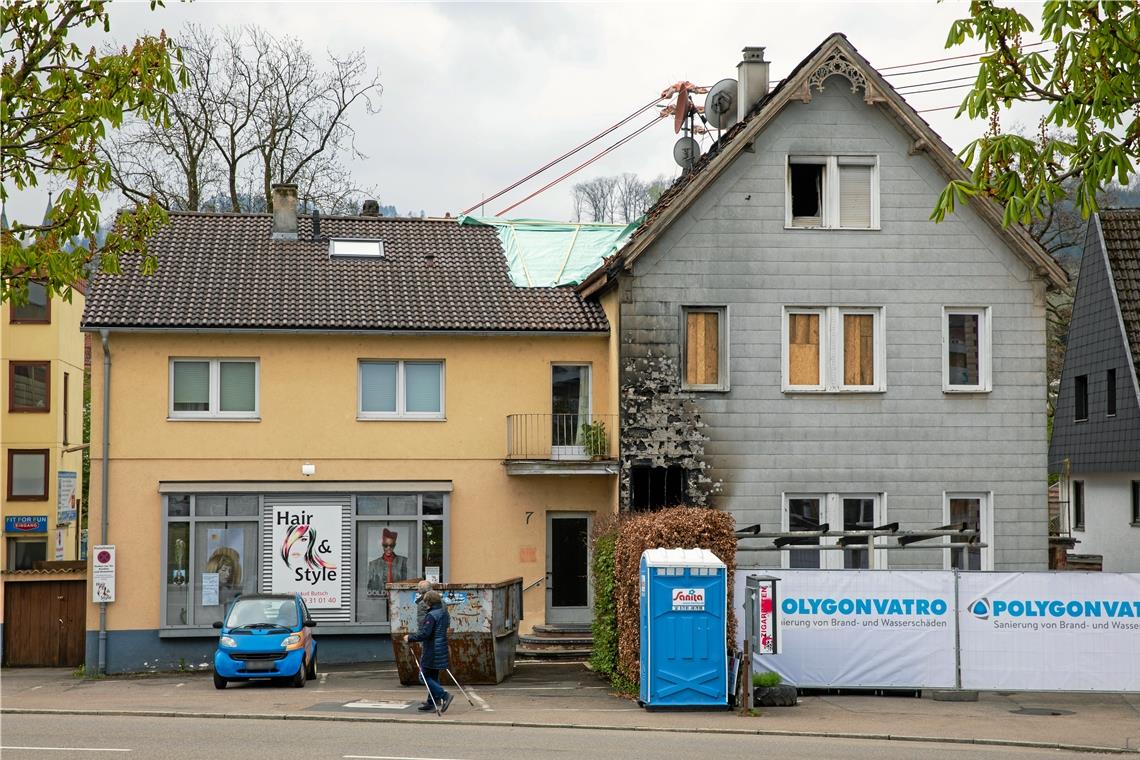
[266, 636]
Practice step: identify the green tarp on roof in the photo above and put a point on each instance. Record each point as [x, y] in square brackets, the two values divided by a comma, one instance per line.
[542, 254]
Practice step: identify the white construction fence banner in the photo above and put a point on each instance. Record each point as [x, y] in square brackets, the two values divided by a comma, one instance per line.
[1062, 631]
[862, 628]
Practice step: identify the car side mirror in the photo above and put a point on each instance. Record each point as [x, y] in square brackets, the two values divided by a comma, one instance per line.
[217, 623]
[310, 623]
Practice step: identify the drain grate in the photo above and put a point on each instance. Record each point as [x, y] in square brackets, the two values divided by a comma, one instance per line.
[1041, 711]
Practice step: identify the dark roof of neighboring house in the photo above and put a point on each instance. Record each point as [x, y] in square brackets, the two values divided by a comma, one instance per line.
[797, 84]
[224, 272]
[1121, 230]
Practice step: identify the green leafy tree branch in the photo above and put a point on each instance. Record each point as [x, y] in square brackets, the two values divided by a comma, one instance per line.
[58, 103]
[1088, 74]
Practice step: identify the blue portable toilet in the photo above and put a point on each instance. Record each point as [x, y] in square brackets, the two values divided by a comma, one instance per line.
[684, 629]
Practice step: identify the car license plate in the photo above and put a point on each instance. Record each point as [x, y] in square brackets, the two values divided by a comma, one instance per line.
[259, 665]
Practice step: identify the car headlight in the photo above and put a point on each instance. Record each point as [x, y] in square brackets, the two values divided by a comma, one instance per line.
[292, 641]
[227, 641]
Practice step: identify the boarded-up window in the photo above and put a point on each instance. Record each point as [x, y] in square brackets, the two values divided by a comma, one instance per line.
[858, 349]
[803, 349]
[702, 347]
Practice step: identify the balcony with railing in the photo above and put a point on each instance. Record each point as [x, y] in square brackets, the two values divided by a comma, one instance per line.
[561, 444]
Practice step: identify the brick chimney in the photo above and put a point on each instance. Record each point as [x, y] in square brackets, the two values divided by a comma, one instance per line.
[752, 79]
[370, 208]
[284, 212]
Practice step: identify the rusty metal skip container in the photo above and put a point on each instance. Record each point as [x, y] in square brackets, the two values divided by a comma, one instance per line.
[483, 634]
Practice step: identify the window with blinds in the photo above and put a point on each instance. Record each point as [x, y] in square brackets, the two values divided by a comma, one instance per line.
[213, 388]
[704, 365]
[29, 386]
[832, 192]
[833, 349]
[394, 389]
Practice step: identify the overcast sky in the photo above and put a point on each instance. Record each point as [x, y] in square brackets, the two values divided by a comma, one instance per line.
[477, 95]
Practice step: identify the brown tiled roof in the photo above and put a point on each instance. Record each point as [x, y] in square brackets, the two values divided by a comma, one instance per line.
[223, 271]
[1121, 229]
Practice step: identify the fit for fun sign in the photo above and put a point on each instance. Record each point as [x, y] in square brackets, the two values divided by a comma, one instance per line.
[307, 554]
[689, 599]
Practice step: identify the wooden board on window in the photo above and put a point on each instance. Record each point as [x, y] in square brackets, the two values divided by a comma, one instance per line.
[803, 349]
[702, 341]
[858, 349]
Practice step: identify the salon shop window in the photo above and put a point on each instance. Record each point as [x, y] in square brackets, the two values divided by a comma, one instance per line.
[210, 555]
[399, 537]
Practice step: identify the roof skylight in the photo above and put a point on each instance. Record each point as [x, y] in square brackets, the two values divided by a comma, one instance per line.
[356, 248]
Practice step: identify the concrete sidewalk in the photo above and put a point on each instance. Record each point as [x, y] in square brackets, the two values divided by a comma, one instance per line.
[568, 695]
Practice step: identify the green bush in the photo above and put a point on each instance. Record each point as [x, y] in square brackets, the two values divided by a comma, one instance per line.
[767, 679]
[604, 658]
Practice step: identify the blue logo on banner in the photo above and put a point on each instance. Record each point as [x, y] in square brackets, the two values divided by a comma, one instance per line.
[981, 609]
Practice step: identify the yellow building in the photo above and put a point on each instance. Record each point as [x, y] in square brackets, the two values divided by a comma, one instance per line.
[41, 432]
[379, 381]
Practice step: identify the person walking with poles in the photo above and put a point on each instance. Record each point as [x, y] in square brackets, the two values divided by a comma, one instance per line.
[432, 636]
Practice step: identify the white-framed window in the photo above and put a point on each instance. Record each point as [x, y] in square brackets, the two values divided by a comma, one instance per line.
[400, 389]
[203, 388]
[840, 512]
[975, 510]
[832, 192]
[571, 402]
[833, 349]
[704, 348]
[966, 349]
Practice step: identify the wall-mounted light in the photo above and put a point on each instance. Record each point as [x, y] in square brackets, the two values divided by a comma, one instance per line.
[308, 469]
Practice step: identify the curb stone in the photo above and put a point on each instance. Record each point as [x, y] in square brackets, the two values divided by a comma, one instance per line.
[581, 726]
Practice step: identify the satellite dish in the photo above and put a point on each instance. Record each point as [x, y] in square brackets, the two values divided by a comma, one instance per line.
[720, 104]
[686, 152]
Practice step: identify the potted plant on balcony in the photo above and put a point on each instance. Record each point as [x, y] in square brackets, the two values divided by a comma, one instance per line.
[592, 437]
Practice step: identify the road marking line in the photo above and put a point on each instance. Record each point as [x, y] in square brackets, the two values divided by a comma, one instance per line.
[394, 757]
[71, 749]
[479, 701]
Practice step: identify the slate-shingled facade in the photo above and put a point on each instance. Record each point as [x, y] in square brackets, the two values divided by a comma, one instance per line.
[255, 380]
[1096, 426]
[755, 309]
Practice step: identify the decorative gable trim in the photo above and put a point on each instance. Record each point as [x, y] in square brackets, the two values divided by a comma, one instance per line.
[836, 63]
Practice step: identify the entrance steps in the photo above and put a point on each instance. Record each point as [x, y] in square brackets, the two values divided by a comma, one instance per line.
[557, 641]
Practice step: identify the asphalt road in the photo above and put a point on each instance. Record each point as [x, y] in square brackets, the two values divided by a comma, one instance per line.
[91, 737]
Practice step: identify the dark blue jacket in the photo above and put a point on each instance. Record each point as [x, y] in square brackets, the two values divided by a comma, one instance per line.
[433, 634]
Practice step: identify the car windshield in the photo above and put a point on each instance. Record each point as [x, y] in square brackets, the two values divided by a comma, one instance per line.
[262, 613]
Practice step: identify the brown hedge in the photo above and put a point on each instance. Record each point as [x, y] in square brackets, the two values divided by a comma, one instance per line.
[674, 528]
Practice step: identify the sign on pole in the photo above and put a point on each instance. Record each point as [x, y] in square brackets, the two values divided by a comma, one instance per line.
[66, 504]
[103, 573]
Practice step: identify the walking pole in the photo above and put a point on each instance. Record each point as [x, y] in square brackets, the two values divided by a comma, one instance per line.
[423, 678]
[461, 689]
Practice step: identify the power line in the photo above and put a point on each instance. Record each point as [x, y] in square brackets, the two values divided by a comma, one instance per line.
[567, 154]
[908, 88]
[952, 58]
[584, 164]
[901, 88]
